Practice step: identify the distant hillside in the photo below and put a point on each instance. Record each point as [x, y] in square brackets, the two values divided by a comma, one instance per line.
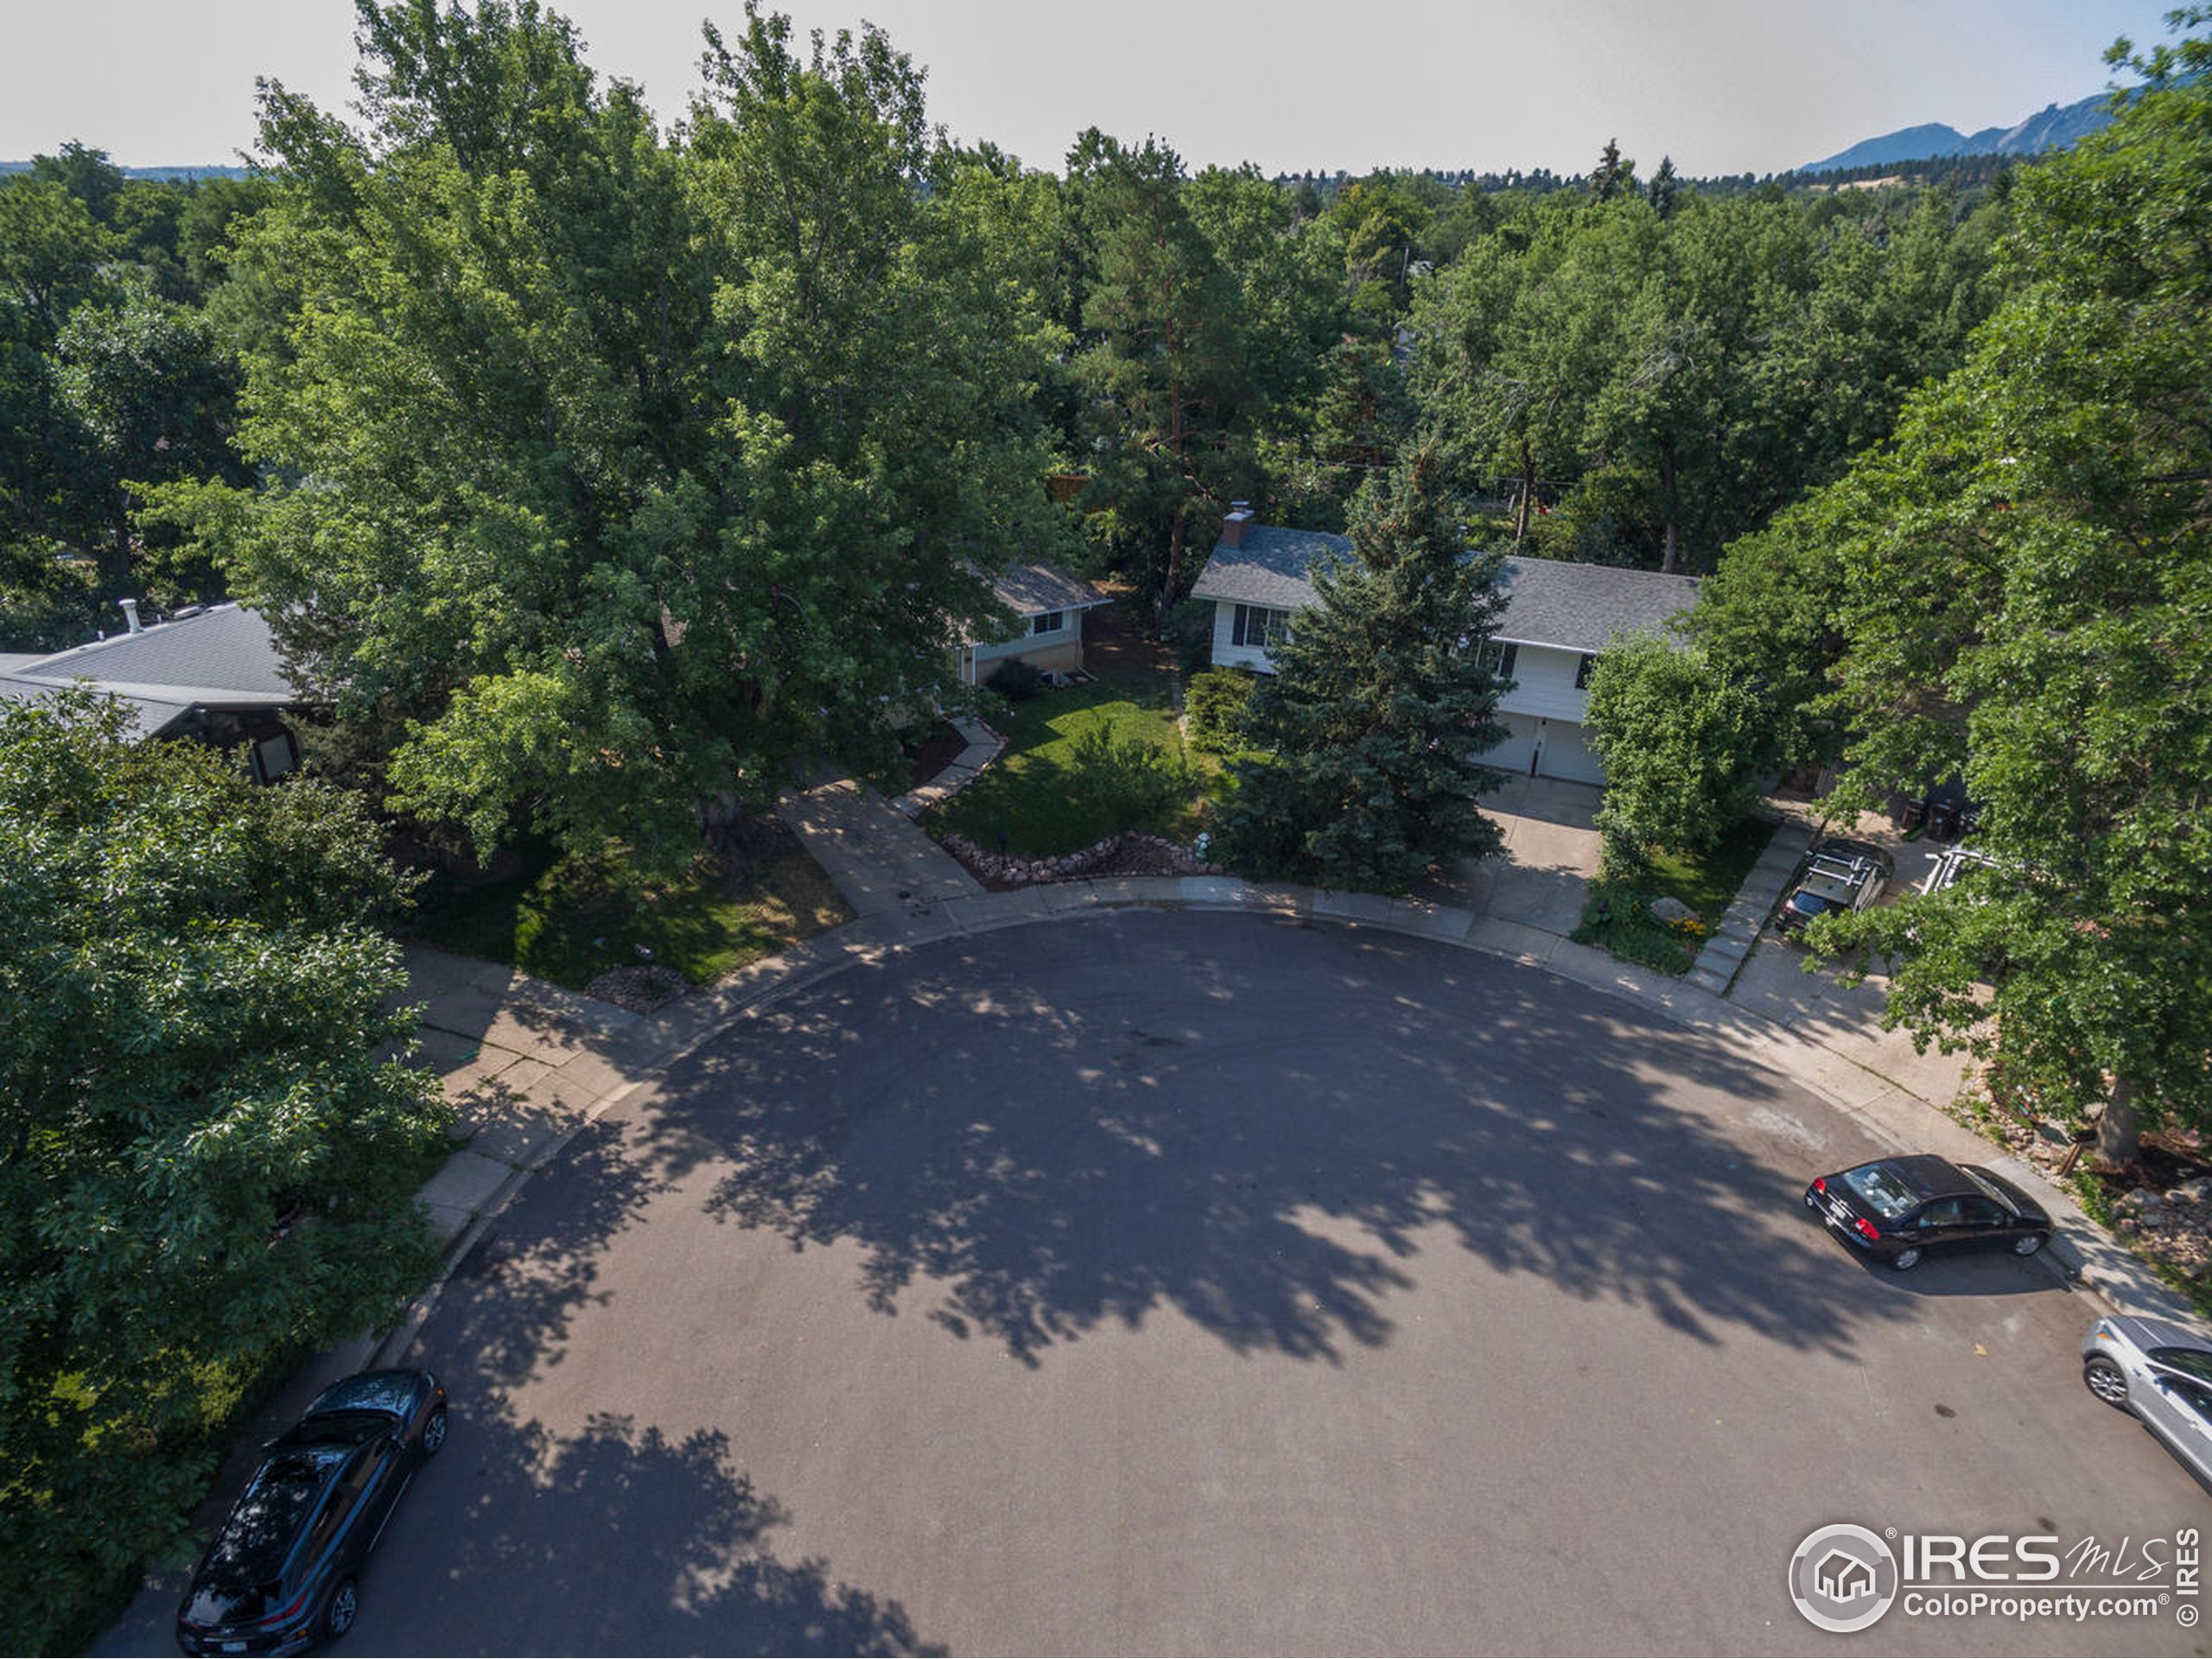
[2053, 129]
[151, 172]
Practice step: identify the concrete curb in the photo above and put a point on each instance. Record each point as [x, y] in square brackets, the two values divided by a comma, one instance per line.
[1883, 1107]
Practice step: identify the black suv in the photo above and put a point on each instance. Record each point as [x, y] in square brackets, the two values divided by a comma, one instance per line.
[280, 1576]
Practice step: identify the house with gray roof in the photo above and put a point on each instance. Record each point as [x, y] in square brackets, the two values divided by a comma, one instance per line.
[212, 673]
[1558, 617]
[1050, 604]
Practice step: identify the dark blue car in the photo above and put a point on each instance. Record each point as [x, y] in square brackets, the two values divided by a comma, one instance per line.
[282, 1574]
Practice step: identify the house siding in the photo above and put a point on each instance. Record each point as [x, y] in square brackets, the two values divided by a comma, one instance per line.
[1059, 651]
[1544, 684]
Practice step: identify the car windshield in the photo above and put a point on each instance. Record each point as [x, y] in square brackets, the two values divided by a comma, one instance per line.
[1883, 1189]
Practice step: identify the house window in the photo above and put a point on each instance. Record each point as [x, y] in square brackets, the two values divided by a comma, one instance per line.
[1582, 673]
[1498, 656]
[1261, 629]
[1050, 622]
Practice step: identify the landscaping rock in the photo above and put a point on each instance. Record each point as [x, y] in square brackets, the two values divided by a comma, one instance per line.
[2144, 1199]
[1131, 853]
[1671, 910]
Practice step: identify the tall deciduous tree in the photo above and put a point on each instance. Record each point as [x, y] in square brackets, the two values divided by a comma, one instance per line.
[206, 1162]
[1381, 703]
[2026, 579]
[605, 474]
[1680, 742]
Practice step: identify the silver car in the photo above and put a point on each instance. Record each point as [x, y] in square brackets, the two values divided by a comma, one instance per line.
[2163, 1374]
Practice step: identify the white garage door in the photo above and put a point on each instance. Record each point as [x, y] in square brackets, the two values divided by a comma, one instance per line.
[1567, 755]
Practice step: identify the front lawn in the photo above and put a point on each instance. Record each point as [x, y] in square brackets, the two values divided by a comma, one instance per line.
[1618, 915]
[1082, 763]
[567, 921]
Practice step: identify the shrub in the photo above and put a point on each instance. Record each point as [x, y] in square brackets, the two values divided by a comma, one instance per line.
[1217, 701]
[1017, 680]
[1127, 782]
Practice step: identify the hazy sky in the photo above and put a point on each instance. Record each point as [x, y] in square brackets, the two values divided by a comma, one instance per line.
[1723, 85]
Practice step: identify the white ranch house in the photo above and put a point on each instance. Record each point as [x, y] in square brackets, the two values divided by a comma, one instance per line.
[1558, 617]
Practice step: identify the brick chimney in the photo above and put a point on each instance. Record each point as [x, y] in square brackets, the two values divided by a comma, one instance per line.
[1234, 526]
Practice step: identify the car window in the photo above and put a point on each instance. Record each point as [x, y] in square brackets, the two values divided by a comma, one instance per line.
[1983, 1213]
[2197, 1397]
[1884, 1191]
[1993, 1193]
[2194, 1361]
[1942, 1212]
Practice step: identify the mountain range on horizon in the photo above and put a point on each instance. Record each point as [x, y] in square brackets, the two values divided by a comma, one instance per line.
[2052, 127]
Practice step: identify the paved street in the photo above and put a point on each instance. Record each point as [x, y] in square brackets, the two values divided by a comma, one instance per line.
[1161, 1282]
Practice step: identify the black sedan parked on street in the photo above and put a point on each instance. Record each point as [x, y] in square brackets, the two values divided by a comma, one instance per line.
[1899, 1209]
[281, 1574]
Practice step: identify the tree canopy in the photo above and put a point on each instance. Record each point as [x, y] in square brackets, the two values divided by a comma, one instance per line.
[2023, 579]
[207, 1160]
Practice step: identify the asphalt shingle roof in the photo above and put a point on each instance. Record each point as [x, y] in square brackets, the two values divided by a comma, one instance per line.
[226, 653]
[1580, 606]
[222, 658]
[1034, 589]
[1551, 601]
[1271, 568]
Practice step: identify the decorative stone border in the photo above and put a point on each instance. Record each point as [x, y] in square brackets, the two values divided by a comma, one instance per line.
[1071, 867]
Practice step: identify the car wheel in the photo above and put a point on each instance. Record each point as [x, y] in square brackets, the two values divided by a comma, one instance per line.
[2105, 1380]
[1906, 1258]
[434, 1432]
[2028, 1243]
[341, 1610]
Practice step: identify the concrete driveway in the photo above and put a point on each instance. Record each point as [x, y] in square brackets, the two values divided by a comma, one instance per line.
[1159, 1282]
[1542, 877]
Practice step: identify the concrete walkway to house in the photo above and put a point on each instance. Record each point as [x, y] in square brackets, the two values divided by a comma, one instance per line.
[872, 853]
[983, 747]
[530, 1065]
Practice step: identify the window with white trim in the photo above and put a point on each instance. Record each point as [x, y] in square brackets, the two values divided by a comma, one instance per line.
[1498, 656]
[1258, 627]
[1050, 622]
[1582, 673]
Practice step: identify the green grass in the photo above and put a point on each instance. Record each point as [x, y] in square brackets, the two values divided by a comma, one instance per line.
[1618, 917]
[1053, 791]
[569, 922]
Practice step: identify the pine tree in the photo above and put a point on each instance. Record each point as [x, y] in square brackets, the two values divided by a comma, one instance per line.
[1381, 703]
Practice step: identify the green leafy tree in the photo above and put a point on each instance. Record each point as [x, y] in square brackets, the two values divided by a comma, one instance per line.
[603, 475]
[209, 1167]
[2026, 575]
[1381, 705]
[1681, 743]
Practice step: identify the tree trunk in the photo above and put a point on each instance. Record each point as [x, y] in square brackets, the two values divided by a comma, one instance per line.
[1177, 534]
[1527, 492]
[2120, 1131]
[1671, 563]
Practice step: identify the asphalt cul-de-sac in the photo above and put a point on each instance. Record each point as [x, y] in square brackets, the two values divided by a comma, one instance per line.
[1168, 1282]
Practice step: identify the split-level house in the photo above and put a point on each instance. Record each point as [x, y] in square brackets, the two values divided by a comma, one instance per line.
[1558, 617]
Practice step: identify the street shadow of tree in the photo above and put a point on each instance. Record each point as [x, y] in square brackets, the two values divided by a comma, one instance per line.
[660, 1547]
[508, 1303]
[1026, 1146]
